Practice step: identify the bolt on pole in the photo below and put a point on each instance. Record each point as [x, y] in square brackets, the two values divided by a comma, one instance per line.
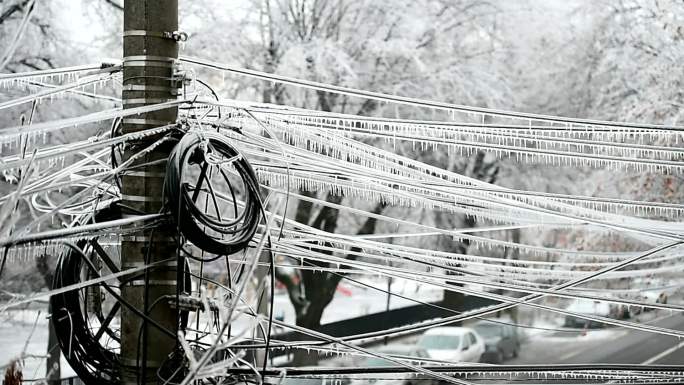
[148, 78]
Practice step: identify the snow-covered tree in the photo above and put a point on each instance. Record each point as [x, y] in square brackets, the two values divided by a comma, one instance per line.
[441, 50]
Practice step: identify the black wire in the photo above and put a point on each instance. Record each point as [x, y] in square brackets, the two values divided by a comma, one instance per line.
[516, 325]
[212, 92]
[230, 287]
[270, 311]
[195, 225]
[229, 292]
[4, 259]
[116, 125]
[91, 361]
[7, 248]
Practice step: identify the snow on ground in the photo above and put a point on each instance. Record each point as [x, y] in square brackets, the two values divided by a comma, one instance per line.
[15, 334]
[353, 300]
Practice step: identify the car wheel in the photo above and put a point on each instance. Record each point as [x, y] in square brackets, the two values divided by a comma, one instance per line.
[499, 357]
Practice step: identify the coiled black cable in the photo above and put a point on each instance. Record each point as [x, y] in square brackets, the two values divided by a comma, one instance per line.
[92, 362]
[89, 359]
[212, 234]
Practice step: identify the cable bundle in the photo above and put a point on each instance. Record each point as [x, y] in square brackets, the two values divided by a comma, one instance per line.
[211, 233]
[92, 362]
[81, 343]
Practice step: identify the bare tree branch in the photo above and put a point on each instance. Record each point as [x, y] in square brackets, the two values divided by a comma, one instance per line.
[114, 4]
[12, 10]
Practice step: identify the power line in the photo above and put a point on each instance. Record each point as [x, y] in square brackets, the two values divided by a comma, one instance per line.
[412, 101]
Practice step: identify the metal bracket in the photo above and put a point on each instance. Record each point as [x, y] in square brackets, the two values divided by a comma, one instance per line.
[149, 58]
[126, 102]
[175, 35]
[144, 174]
[135, 265]
[146, 122]
[149, 61]
[140, 198]
[186, 302]
[142, 63]
[139, 87]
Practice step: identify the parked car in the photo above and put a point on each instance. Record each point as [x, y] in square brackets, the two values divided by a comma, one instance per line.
[653, 297]
[399, 351]
[501, 341]
[587, 307]
[453, 344]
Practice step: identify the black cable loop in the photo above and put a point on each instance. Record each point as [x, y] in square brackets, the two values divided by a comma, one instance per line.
[91, 361]
[231, 235]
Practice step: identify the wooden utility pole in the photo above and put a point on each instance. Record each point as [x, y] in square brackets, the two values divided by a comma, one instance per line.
[150, 49]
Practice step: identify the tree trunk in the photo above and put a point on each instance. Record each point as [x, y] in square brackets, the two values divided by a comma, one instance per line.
[53, 369]
[319, 287]
[487, 172]
[311, 319]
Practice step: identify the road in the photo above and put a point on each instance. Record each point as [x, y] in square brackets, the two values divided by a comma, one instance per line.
[608, 346]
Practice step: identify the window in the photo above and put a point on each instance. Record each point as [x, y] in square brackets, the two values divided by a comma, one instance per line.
[488, 330]
[466, 343]
[472, 338]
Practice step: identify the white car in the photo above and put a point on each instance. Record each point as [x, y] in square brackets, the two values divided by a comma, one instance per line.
[453, 344]
[592, 308]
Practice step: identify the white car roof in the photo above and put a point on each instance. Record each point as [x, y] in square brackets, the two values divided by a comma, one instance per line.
[448, 331]
[589, 307]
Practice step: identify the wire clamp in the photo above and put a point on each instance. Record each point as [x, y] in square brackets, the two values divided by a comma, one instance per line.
[178, 36]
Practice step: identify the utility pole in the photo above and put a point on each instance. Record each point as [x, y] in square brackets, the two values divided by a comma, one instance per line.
[150, 49]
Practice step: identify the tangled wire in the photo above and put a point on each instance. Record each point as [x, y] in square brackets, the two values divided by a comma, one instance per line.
[212, 233]
[87, 335]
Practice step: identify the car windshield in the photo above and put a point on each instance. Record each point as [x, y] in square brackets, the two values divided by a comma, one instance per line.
[440, 342]
[489, 331]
